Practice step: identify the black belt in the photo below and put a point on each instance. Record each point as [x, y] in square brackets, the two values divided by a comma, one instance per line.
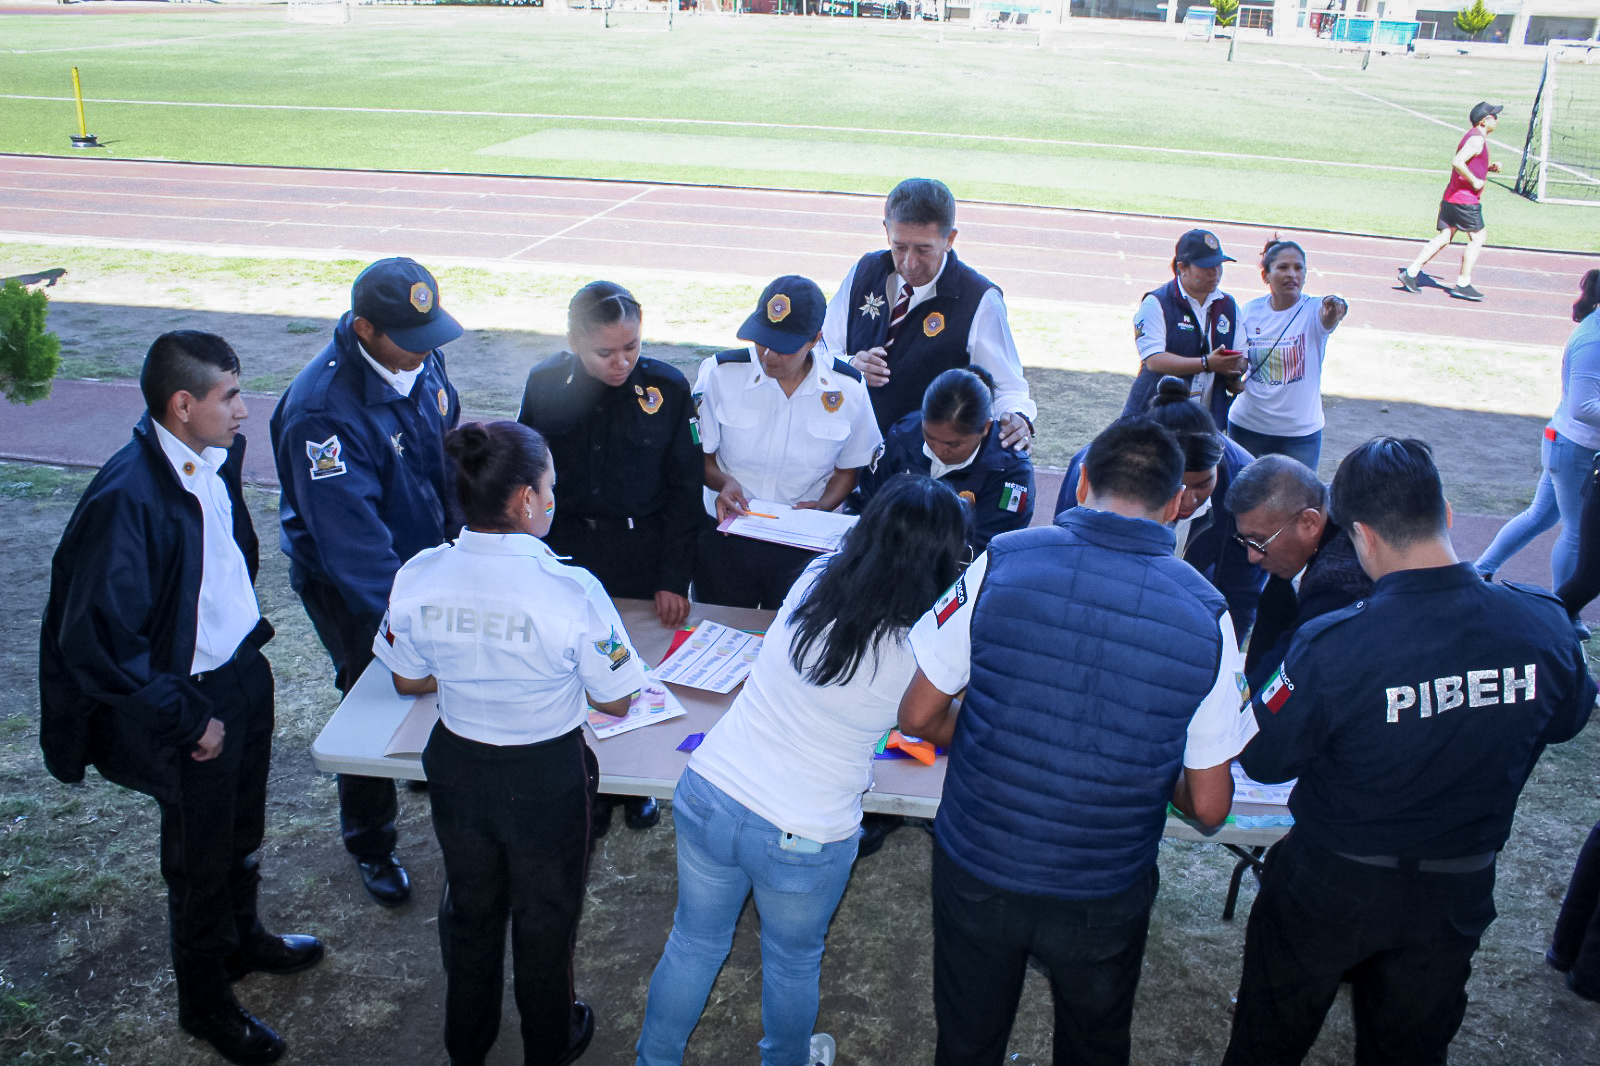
[1466, 864]
[250, 645]
[599, 523]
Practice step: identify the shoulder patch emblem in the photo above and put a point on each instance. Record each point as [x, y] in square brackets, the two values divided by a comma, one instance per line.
[1244, 689]
[325, 461]
[444, 403]
[613, 649]
[1013, 497]
[873, 306]
[933, 325]
[832, 401]
[422, 297]
[950, 602]
[1138, 328]
[651, 401]
[1279, 689]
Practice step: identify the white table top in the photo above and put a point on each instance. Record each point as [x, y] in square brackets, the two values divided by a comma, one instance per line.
[646, 762]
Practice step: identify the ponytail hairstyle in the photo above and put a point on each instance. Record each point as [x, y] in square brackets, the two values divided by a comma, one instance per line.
[963, 397]
[1275, 248]
[893, 564]
[494, 460]
[600, 303]
[1189, 422]
[1588, 296]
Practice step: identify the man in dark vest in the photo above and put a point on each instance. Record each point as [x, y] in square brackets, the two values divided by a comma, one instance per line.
[1102, 680]
[906, 315]
[1280, 514]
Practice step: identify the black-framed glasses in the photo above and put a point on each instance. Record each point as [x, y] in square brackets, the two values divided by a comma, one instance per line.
[1260, 546]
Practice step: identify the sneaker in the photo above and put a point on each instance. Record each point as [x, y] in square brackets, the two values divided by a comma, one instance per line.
[1466, 292]
[1409, 281]
[823, 1049]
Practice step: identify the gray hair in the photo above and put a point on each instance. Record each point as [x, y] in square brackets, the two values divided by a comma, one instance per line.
[1278, 483]
[920, 201]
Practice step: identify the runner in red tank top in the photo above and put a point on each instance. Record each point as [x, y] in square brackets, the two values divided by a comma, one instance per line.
[1460, 209]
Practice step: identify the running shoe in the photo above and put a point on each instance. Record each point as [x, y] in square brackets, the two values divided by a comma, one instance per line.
[1409, 281]
[1466, 292]
[823, 1050]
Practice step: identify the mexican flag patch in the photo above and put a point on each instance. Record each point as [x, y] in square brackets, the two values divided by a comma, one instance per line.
[1013, 496]
[1277, 691]
[950, 602]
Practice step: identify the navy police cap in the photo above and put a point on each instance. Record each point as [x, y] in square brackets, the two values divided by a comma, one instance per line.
[789, 315]
[401, 298]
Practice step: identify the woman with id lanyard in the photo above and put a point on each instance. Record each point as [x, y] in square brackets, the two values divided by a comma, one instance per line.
[1284, 335]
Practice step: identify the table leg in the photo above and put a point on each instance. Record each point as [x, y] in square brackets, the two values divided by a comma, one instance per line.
[1249, 859]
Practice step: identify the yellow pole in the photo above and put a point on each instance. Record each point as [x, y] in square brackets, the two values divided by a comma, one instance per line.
[77, 94]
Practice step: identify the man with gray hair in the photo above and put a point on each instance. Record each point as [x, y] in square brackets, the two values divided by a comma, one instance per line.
[1280, 513]
[906, 315]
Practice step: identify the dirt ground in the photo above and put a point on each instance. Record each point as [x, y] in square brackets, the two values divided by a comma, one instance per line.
[83, 969]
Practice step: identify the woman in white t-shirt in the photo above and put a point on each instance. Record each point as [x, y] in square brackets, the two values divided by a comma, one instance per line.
[771, 800]
[517, 644]
[1284, 335]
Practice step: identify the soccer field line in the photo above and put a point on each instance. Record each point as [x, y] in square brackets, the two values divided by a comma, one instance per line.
[144, 43]
[993, 138]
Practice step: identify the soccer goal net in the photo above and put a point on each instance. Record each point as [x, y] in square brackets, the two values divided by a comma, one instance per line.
[1561, 157]
[320, 12]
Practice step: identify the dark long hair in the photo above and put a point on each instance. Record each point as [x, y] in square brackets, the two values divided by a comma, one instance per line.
[905, 550]
[1588, 296]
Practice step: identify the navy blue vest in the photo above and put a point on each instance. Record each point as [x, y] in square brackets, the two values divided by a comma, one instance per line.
[1092, 646]
[932, 339]
[1188, 337]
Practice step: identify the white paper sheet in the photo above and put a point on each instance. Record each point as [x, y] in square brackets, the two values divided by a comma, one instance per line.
[818, 531]
[714, 658]
[650, 705]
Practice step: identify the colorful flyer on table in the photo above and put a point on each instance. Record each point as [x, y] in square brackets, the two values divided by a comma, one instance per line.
[714, 658]
[652, 704]
[1247, 789]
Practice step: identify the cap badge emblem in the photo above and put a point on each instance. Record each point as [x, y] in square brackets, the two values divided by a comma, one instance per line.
[778, 308]
[1211, 242]
[422, 297]
[933, 325]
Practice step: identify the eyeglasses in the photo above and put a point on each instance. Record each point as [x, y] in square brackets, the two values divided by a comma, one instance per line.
[1260, 546]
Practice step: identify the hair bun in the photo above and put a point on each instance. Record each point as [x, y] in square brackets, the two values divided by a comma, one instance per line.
[1170, 389]
[467, 444]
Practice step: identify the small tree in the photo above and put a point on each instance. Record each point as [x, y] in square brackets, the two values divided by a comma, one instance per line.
[29, 355]
[1226, 11]
[1474, 19]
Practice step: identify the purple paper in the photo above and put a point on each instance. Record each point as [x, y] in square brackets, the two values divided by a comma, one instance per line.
[691, 742]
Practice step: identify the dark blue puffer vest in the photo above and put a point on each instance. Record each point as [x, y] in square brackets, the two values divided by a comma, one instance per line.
[1092, 646]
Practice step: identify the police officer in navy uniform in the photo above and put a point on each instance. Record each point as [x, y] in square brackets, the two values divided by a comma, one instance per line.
[1412, 720]
[955, 439]
[1186, 327]
[623, 433]
[905, 315]
[359, 443]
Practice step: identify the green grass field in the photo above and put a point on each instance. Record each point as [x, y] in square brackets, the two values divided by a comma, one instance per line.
[1089, 115]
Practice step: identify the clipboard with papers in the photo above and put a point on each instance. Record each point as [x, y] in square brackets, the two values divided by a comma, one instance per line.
[813, 530]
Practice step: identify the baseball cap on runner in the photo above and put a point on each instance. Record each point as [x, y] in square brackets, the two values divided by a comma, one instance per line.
[401, 298]
[1484, 108]
[789, 315]
[1200, 247]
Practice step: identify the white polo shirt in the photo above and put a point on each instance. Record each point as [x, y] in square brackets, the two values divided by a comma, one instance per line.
[783, 448]
[514, 636]
[1222, 725]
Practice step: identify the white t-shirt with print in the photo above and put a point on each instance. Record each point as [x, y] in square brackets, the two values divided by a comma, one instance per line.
[1283, 390]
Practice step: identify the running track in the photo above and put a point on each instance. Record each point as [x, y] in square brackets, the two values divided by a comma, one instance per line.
[1035, 254]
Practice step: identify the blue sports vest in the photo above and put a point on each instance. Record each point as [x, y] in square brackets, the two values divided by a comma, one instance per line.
[932, 339]
[1092, 647]
[1186, 336]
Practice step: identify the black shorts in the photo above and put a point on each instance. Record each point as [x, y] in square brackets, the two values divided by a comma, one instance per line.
[1467, 218]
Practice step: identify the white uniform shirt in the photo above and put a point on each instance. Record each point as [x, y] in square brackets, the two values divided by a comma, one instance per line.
[1150, 332]
[798, 754]
[513, 635]
[783, 448]
[1222, 725]
[401, 381]
[989, 341]
[227, 610]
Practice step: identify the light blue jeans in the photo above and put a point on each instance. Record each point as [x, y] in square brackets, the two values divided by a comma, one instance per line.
[725, 851]
[1307, 449]
[1558, 497]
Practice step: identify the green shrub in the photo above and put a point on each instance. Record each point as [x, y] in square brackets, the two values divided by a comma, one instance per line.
[29, 355]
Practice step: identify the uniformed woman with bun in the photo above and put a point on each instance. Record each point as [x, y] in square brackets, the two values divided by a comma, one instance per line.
[955, 440]
[517, 644]
[621, 428]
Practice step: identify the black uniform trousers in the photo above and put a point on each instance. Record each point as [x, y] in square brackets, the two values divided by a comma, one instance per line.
[1405, 938]
[513, 824]
[982, 938]
[209, 836]
[626, 562]
[368, 806]
[736, 571]
[1576, 943]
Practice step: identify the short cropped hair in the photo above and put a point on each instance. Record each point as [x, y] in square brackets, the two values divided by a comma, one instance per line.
[493, 461]
[919, 201]
[1137, 460]
[1278, 483]
[184, 360]
[1391, 486]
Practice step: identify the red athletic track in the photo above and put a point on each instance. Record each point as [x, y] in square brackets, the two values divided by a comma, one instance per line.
[1031, 252]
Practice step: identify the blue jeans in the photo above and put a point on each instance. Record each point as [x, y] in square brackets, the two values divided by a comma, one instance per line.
[725, 851]
[1567, 467]
[1306, 449]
